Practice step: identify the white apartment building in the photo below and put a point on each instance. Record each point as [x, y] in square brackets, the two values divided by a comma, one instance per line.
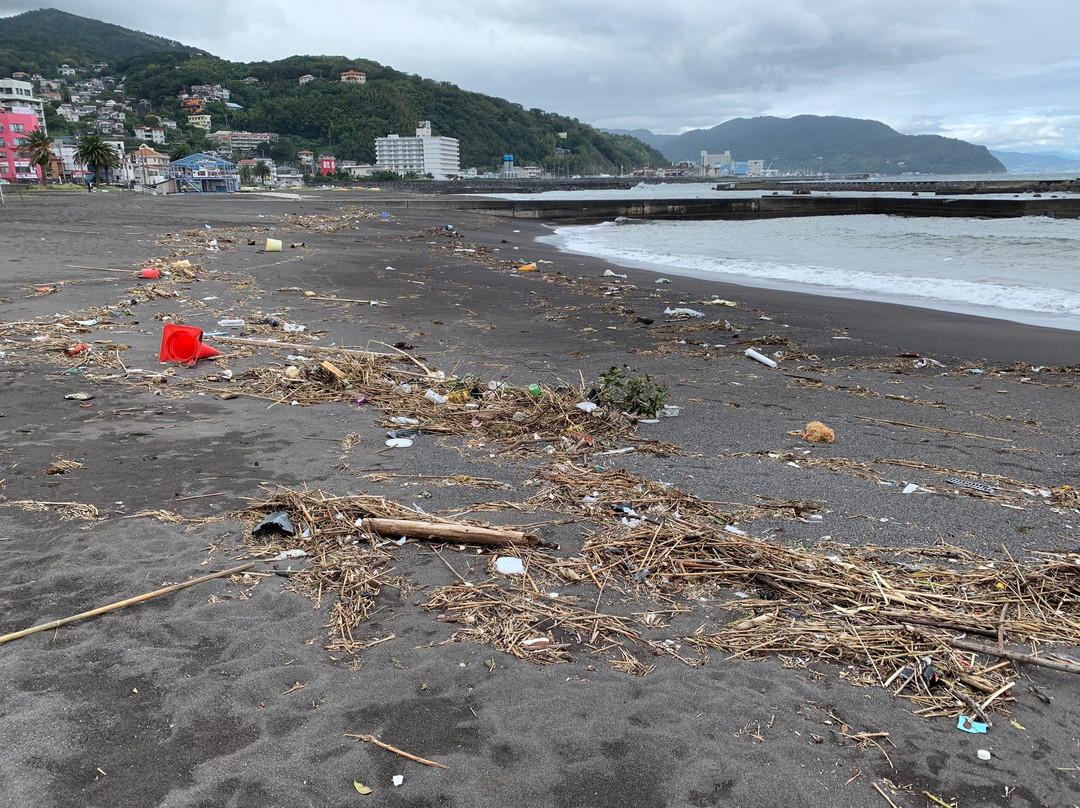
[23, 93]
[289, 177]
[155, 134]
[755, 168]
[711, 163]
[423, 154]
[241, 141]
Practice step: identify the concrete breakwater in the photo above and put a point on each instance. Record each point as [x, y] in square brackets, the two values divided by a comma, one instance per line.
[939, 187]
[767, 207]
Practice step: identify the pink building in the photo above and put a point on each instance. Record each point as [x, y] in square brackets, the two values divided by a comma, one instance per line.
[16, 122]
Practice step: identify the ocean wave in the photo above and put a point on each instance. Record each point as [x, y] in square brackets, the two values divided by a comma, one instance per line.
[981, 276]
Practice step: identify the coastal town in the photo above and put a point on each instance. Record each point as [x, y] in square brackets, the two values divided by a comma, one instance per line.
[144, 151]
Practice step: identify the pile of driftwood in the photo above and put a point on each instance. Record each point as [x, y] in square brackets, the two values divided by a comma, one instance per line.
[941, 626]
[63, 341]
[346, 544]
[416, 400]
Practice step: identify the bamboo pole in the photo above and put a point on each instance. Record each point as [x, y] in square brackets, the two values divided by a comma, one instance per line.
[292, 346]
[444, 531]
[121, 604]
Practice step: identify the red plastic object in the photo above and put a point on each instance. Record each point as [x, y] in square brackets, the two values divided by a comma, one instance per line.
[183, 343]
[153, 273]
[75, 350]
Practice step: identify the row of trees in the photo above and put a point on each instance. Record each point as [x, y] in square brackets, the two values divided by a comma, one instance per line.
[91, 150]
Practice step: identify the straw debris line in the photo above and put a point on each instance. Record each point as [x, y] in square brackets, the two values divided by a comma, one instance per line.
[495, 417]
[1004, 490]
[885, 613]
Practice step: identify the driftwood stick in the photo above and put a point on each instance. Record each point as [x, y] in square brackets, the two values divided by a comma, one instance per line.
[952, 626]
[932, 429]
[292, 346]
[396, 751]
[346, 300]
[408, 356]
[877, 788]
[972, 705]
[121, 604]
[444, 531]
[1003, 689]
[104, 269]
[1004, 653]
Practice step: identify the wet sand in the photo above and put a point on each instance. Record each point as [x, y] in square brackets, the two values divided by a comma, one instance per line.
[223, 694]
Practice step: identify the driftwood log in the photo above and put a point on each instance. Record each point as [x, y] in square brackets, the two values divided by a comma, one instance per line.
[444, 531]
[1002, 653]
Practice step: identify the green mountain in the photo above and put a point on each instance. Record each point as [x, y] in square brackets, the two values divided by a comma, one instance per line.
[327, 114]
[324, 115]
[40, 41]
[834, 145]
[645, 136]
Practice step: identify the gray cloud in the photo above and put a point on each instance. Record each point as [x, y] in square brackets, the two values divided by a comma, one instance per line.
[998, 72]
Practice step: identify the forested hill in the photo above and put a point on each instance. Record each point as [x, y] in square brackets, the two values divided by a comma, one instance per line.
[346, 118]
[323, 115]
[40, 41]
[833, 145]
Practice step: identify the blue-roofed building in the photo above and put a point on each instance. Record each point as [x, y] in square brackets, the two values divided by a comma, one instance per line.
[203, 173]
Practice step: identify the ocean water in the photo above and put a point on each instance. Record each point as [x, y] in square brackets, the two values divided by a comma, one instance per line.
[1024, 270]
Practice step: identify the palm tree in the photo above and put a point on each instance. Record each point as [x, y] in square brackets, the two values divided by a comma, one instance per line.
[93, 151]
[180, 151]
[37, 146]
[261, 172]
[245, 174]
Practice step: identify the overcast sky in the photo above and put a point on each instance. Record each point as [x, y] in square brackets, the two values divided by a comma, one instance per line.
[1001, 73]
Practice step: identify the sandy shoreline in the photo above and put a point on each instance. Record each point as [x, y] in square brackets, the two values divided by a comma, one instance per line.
[224, 694]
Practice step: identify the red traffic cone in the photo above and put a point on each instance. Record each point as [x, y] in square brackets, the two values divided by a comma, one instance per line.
[183, 343]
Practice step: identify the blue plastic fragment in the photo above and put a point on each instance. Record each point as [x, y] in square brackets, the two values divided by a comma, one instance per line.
[966, 724]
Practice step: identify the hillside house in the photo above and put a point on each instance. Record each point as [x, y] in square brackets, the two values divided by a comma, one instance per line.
[155, 134]
[145, 167]
[353, 77]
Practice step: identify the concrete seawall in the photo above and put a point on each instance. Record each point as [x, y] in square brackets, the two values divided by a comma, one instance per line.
[766, 207]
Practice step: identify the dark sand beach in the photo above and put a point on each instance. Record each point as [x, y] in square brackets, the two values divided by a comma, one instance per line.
[225, 693]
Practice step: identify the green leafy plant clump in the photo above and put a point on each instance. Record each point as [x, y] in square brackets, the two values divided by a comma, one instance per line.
[636, 395]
